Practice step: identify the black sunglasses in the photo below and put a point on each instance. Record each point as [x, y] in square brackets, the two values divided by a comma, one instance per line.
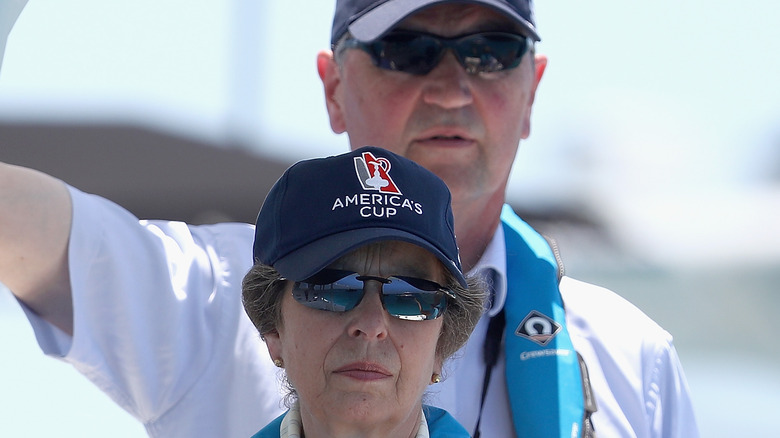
[418, 53]
[408, 298]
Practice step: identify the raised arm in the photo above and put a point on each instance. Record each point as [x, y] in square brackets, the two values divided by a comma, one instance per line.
[35, 220]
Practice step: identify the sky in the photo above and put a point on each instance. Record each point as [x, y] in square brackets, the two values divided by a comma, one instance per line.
[668, 104]
[659, 117]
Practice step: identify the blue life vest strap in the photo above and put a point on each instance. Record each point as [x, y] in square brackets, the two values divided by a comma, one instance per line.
[543, 373]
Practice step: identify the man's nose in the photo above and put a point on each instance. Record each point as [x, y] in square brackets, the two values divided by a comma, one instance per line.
[448, 85]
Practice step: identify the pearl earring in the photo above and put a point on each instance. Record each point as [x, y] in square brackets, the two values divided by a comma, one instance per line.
[279, 363]
[436, 378]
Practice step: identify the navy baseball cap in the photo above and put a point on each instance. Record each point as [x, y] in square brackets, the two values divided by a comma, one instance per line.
[322, 209]
[367, 20]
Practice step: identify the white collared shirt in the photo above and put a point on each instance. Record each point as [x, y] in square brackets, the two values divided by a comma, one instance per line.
[635, 373]
[459, 393]
[177, 287]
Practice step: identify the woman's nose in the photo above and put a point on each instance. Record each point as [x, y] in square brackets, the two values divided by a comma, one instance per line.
[369, 318]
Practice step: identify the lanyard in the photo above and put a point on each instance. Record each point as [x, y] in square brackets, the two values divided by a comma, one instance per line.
[495, 333]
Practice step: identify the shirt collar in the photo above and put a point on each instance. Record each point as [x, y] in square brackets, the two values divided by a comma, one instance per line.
[291, 424]
[494, 258]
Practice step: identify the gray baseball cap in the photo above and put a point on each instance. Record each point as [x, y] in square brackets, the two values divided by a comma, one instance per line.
[367, 20]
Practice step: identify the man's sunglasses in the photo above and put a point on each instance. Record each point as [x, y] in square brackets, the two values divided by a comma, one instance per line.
[418, 53]
[408, 298]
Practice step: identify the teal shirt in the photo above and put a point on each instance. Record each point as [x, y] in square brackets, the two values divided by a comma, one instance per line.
[440, 425]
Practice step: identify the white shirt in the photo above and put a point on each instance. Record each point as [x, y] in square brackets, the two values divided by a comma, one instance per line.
[159, 326]
[635, 373]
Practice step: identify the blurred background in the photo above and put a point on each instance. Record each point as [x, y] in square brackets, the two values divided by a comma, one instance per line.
[654, 160]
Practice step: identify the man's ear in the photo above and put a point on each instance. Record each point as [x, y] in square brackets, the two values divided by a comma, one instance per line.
[540, 64]
[331, 79]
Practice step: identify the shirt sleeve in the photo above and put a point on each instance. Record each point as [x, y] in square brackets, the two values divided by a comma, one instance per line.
[668, 401]
[158, 320]
[636, 375]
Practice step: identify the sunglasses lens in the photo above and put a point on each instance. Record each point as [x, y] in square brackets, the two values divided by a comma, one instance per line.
[490, 52]
[413, 299]
[339, 295]
[407, 52]
[415, 306]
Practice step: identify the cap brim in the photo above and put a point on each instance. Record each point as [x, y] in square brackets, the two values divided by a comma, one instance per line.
[312, 258]
[384, 17]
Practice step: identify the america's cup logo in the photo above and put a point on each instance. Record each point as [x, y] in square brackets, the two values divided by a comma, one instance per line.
[374, 173]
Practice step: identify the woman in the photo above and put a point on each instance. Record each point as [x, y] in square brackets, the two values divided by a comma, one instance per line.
[358, 292]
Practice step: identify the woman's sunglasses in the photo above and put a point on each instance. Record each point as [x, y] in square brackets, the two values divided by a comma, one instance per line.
[408, 298]
[418, 53]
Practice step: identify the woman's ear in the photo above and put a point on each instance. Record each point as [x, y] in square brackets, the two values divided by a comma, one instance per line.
[274, 345]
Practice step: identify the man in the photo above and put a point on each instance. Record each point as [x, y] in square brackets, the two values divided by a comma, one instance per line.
[150, 311]
[462, 115]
